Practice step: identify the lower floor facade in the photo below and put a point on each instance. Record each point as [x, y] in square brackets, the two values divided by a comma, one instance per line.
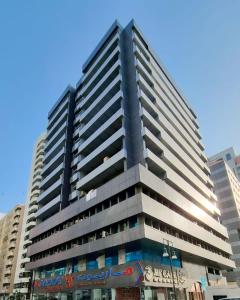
[123, 293]
[135, 280]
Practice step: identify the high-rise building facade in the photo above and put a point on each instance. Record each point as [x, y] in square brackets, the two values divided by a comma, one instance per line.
[22, 281]
[227, 188]
[127, 208]
[10, 233]
[233, 160]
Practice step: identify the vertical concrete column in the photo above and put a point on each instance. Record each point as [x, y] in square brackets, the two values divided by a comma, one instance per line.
[131, 104]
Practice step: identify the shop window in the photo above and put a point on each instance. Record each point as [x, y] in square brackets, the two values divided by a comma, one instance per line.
[60, 271]
[111, 260]
[75, 268]
[133, 256]
[92, 265]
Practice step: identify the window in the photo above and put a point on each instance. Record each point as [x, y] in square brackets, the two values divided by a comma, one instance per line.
[228, 156]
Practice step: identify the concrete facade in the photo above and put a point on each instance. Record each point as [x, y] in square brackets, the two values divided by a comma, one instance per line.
[10, 233]
[22, 281]
[124, 172]
[227, 187]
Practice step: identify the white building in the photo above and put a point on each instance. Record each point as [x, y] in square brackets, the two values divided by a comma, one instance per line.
[227, 188]
[22, 277]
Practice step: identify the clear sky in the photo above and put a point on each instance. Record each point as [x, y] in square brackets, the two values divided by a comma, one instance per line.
[43, 45]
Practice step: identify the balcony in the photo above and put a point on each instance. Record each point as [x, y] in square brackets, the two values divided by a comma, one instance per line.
[27, 243]
[33, 208]
[110, 46]
[58, 113]
[177, 138]
[98, 120]
[6, 281]
[10, 254]
[57, 124]
[74, 195]
[74, 177]
[49, 208]
[15, 222]
[8, 271]
[101, 85]
[13, 237]
[106, 149]
[101, 134]
[30, 225]
[53, 163]
[182, 185]
[158, 147]
[51, 192]
[60, 132]
[75, 161]
[37, 178]
[9, 263]
[55, 149]
[25, 260]
[52, 177]
[12, 246]
[103, 69]
[14, 229]
[98, 108]
[106, 171]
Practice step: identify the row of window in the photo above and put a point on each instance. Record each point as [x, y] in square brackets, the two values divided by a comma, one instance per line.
[98, 234]
[115, 200]
[136, 251]
[88, 213]
[152, 194]
[156, 224]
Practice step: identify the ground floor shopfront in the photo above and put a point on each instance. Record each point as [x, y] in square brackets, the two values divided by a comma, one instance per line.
[123, 293]
[130, 281]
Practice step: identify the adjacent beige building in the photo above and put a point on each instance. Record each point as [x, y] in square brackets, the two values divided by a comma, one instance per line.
[10, 232]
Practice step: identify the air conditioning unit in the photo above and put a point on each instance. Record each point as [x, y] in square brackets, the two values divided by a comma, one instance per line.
[82, 194]
[105, 158]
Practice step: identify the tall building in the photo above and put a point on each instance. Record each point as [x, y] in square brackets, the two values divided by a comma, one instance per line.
[127, 208]
[227, 188]
[233, 160]
[22, 282]
[10, 232]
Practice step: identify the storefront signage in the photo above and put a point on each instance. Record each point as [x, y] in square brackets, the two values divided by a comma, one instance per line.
[154, 274]
[128, 274]
[105, 274]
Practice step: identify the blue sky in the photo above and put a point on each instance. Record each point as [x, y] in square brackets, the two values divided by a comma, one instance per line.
[44, 44]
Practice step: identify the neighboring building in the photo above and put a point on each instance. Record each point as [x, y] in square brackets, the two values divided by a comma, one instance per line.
[227, 188]
[22, 282]
[124, 171]
[233, 160]
[10, 232]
